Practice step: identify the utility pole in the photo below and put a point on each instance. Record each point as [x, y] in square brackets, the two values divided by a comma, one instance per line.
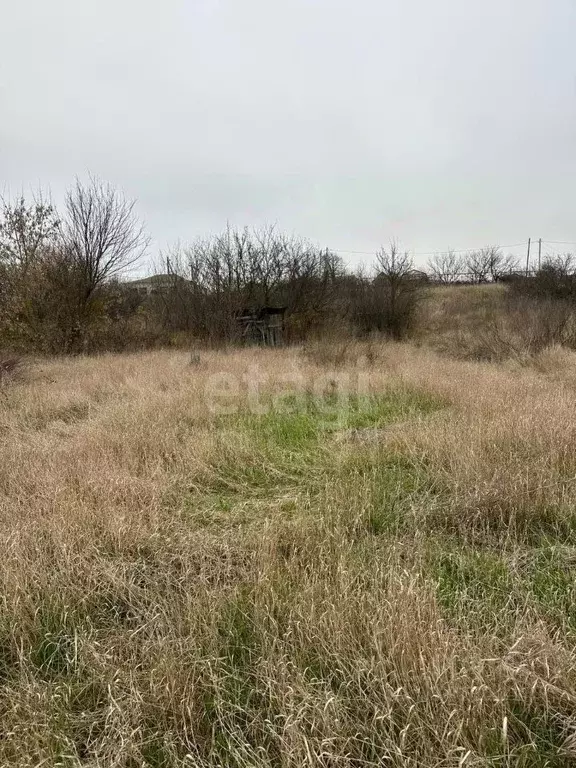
[528, 257]
[539, 254]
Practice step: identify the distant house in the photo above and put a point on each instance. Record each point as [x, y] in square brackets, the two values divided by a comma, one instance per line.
[147, 286]
[418, 275]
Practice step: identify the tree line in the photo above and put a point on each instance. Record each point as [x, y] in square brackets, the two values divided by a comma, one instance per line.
[63, 286]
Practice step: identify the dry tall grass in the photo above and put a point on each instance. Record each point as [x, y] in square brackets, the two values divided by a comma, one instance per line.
[182, 587]
[494, 323]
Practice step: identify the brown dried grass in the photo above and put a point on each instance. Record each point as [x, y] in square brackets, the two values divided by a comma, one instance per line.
[177, 591]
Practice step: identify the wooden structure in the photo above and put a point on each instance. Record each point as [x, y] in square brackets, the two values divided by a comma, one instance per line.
[263, 326]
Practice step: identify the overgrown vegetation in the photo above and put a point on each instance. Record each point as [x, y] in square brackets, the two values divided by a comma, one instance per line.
[498, 322]
[341, 553]
[377, 570]
[65, 287]
[60, 289]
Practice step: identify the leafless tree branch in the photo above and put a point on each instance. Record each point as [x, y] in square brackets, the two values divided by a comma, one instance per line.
[101, 232]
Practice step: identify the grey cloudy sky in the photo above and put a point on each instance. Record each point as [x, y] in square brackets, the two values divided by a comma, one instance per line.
[443, 124]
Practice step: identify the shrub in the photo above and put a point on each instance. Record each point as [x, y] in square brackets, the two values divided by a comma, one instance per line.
[389, 303]
[556, 280]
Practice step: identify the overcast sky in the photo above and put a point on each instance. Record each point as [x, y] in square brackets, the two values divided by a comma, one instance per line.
[443, 124]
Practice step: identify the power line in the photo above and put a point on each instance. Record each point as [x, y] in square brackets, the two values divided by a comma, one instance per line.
[433, 253]
[465, 250]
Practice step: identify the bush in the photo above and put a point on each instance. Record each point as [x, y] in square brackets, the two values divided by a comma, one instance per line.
[556, 280]
[389, 304]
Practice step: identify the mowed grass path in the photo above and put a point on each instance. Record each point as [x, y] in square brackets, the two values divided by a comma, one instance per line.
[326, 575]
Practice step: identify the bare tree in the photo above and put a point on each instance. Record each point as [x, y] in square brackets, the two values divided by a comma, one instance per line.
[478, 264]
[504, 266]
[489, 263]
[446, 267]
[392, 264]
[101, 233]
[251, 268]
[563, 264]
[392, 300]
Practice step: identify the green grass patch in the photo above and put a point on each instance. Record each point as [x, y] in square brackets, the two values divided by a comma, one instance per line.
[391, 490]
[480, 587]
[54, 641]
[475, 587]
[540, 734]
[289, 455]
[301, 423]
[550, 578]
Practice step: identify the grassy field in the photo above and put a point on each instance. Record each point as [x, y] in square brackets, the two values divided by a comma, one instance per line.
[357, 555]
